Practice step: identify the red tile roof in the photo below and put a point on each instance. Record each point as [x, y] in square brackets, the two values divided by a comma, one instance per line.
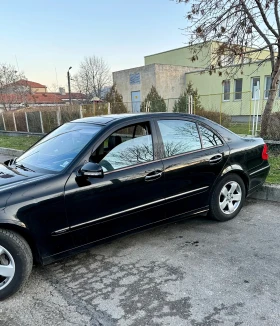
[40, 98]
[23, 82]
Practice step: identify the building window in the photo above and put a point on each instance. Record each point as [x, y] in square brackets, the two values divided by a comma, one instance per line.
[267, 84]
[226, 90]
[255, 88]
[134, 79]
[238, 89]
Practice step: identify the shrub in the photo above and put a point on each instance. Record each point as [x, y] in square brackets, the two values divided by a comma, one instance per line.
[154, 101]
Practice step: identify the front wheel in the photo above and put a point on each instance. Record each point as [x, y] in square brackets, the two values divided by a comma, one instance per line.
[227, 198]
[15, 262]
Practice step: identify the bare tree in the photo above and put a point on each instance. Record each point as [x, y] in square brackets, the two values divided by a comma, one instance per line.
[11, 93]
[93, 75]
[245, 28]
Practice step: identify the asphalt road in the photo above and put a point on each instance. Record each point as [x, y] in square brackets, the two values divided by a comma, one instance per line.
[196, 272]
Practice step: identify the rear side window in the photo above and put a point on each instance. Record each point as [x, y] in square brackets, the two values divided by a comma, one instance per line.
[179, 136]
[209, 138]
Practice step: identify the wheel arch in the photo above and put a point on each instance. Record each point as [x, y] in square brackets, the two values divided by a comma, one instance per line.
[237, 169]
[26, 235]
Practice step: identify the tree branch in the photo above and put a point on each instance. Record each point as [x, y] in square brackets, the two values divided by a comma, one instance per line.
[265, 19]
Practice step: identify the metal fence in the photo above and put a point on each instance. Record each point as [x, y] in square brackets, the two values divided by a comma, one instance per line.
[240, 112]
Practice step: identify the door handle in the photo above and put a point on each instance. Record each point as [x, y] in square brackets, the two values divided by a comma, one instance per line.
[153, 176]
[216, 159]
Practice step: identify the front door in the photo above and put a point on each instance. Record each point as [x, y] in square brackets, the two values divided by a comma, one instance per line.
[130, 195]
[193, 158]
[136, 101]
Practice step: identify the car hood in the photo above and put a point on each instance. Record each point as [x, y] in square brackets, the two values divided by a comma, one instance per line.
[12, 176]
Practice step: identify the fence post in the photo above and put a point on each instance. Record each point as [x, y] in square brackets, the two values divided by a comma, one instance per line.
[221, 102]
[81, 111]
[4, 124]
[58, 115]
[41, 120]
[14, 118]
[109, 108]
[26, 120]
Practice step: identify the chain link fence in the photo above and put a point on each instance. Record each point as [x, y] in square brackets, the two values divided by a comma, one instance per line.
[239, 112]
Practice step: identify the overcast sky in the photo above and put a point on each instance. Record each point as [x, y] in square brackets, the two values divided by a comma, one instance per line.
[44, 38]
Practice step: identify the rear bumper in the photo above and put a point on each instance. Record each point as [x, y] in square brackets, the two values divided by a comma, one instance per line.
[257, 178]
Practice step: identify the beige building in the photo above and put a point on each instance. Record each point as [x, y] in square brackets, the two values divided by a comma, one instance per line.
[134, 84]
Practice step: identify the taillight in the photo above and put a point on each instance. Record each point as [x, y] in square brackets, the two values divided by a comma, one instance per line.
[265, 152]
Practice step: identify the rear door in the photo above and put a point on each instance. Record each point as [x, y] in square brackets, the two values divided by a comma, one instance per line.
[193, 157]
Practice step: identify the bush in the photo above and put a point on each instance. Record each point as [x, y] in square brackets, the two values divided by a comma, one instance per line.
[182, 106]
[274, 126]
[154, 101]
[116, 101]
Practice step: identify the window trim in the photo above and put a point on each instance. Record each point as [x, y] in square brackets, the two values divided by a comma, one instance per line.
[224, 93]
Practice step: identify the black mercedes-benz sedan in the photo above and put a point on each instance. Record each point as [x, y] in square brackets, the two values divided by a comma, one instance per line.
[96, 178]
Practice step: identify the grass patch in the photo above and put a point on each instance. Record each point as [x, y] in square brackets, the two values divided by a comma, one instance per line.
[274, 173]
[239, 128]
[18, 142]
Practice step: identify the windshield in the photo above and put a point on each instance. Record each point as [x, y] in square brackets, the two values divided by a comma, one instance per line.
[56, 151]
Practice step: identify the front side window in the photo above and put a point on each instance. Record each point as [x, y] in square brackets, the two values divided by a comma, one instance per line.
[125, 147]
[56, 151]
[226, 90]
[179, 137]
[238, 89]
[209, 138]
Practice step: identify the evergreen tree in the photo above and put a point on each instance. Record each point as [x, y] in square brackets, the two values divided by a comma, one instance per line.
[182, 104]
[155, 102]
[116, 100]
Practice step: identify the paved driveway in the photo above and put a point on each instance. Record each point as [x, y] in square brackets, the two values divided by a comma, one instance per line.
[195, 272]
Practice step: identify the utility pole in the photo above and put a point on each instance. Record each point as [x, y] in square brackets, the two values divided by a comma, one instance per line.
[69, 86]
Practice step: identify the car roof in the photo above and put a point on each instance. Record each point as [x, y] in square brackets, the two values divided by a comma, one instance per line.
[107, 119]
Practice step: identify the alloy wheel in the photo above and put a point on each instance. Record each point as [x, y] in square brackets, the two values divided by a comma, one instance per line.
[7, 267]
[230, 197]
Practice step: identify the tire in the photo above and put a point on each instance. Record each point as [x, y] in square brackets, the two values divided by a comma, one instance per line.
[15, 262]
[227, 198]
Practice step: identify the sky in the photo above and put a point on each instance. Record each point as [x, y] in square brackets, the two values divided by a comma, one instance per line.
[44, 38]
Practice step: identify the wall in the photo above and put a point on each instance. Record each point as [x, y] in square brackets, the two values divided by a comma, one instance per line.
[182, 57]
[147, 79]
[169, 81]
[39, 90]
[210, 88]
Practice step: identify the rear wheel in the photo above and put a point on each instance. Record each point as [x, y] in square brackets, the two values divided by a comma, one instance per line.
[227, 198]
[15, 262]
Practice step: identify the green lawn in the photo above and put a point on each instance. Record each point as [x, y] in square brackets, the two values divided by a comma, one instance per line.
[274, 174]
[18, 142]
[24, 142]
[239, 128]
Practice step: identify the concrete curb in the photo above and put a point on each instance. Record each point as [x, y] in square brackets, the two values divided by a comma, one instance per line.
[266, 192]
[10, 151]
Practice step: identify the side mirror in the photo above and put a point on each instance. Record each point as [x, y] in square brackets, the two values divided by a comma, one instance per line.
[92, 170]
